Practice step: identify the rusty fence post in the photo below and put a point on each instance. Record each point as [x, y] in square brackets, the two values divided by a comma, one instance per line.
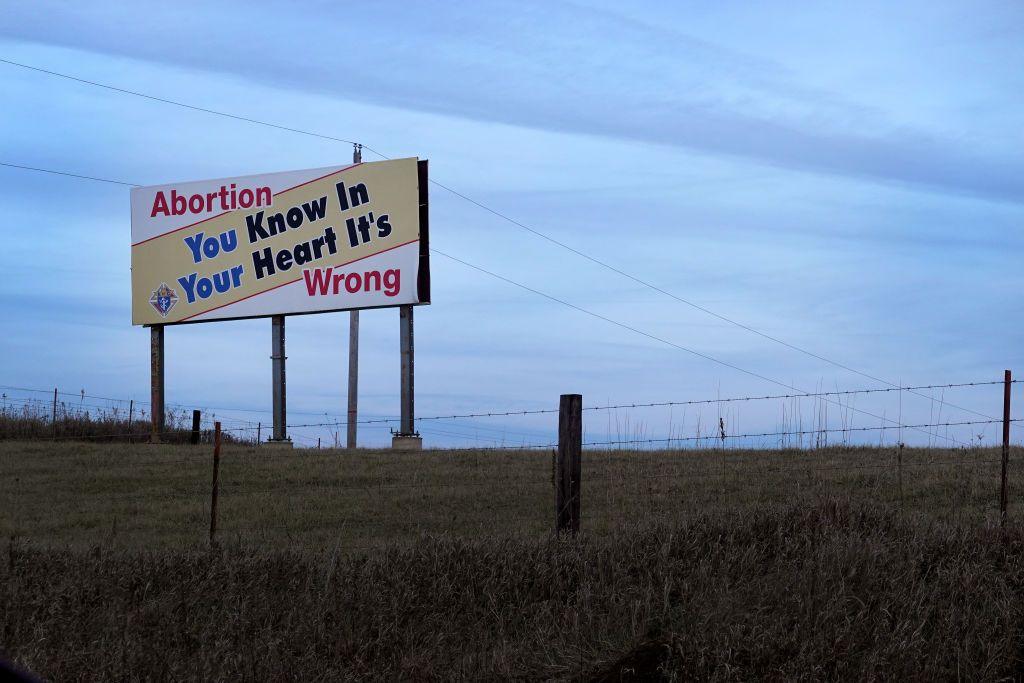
[216, 471]
[1003, 486]
[899, 471]
[568, 467]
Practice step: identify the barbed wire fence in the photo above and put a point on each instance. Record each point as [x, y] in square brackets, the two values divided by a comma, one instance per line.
[78, 409]
[480, 488]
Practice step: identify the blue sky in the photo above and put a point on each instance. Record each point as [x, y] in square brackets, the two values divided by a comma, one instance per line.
[846, 177]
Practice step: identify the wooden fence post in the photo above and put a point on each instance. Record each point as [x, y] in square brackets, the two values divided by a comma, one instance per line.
[216, 470]
[131, 410]
[568, 468]
[1003, 488]
[53, 418]
[195, 427]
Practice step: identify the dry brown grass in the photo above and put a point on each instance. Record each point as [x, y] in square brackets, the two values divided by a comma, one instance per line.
[68, 420]
[719, 565]
[141, 496]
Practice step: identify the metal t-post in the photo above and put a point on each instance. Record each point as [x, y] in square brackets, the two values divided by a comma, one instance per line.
[278, 358]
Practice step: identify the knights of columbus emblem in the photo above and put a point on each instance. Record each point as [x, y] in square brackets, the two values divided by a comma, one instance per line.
[163, 299]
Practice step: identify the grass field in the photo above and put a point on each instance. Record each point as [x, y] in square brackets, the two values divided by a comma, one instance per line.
[139, 496]
[713, 564]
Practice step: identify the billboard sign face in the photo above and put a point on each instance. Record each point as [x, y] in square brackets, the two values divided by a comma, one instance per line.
[325, 239]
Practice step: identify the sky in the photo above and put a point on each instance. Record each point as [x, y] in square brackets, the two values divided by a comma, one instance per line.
[844, 177]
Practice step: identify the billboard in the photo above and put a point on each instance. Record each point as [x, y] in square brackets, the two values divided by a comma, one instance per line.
[325, 239]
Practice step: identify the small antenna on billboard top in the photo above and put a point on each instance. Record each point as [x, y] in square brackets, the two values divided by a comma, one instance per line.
[357, 153]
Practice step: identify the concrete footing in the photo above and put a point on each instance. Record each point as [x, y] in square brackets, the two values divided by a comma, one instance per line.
[401, 442]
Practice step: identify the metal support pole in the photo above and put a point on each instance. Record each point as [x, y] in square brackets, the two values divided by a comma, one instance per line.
[568, 463]
[353, 378]
[407, 438]
[278, 357]
[408, 371]
[156, 381]
[1004, 488]
[353, 349]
